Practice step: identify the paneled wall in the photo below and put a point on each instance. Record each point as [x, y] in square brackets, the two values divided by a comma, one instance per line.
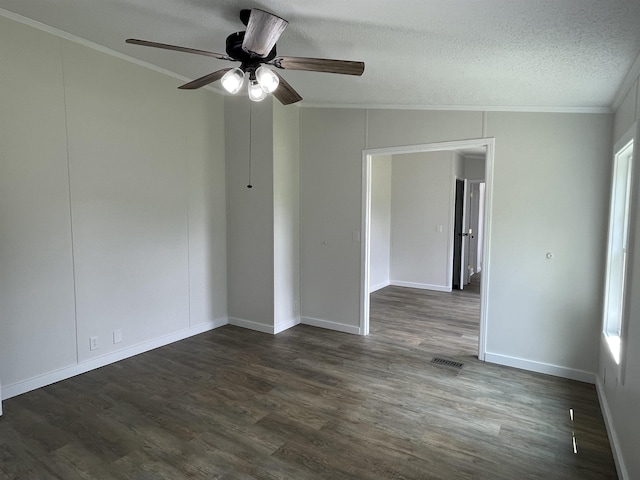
[112, 208]
[550, 194]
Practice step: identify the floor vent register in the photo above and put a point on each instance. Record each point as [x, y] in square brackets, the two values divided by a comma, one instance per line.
[446, 363]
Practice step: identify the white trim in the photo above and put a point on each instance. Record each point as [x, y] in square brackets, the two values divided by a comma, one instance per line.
[489, 144]
[485, 261]
[539, 367]
[430, 147]
[379, 286]
[421, 286]
[365, 241]
[24, 386]
[621, 468]
[282, 326]
[94, 46]
[632, 240]
[329, 325]
[464, 108]
[251, 325]
[624, 88]
[619, 365]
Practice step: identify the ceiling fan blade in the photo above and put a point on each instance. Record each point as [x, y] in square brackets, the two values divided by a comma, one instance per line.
[263, 31]
[285, 93]
[206, 80]
[344, 67]
[145, 43]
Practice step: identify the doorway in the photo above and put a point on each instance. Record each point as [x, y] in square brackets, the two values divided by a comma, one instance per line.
[468, 229]
[485, 143]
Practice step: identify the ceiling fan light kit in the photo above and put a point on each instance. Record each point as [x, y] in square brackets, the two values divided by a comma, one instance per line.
[233, 80]
[261, 82]
[256, 93]
[268, 80]
[254, 49]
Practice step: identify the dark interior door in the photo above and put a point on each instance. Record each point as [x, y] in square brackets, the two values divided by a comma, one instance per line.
[457, 234]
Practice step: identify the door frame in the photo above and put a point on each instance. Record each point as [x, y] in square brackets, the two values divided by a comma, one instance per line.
[476, 232]
[365, 245]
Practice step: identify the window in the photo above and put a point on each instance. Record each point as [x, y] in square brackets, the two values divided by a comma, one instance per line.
[617, 248]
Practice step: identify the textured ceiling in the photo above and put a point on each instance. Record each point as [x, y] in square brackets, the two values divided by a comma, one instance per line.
[440, 53]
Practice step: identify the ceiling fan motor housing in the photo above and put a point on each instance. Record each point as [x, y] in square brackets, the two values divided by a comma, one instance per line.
[235, 51]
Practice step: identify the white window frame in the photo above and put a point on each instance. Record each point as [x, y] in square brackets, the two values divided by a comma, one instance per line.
[621, 208]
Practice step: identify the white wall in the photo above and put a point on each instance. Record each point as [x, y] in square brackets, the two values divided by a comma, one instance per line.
[250, 212]
[621, 396]
[264, 221]
[286, 205]
[112, 208]
[36, 264]
[550, 195]
[331, 144]
[459, 168]
[474, 167]
[421, 220]
[380, 224]
[550, 188]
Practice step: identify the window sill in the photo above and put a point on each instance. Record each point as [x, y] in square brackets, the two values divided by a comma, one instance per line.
[614, 346]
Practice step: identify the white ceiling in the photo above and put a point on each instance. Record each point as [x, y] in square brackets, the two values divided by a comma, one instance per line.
[418, 53]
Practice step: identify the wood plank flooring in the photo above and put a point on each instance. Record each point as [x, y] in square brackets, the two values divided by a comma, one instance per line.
[313, 404]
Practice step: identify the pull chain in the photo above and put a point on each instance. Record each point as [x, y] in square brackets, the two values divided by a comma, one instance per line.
[250, 143]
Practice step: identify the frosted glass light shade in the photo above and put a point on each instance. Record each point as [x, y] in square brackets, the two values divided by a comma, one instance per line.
[267, 79]
[232, 80]
[256, 93]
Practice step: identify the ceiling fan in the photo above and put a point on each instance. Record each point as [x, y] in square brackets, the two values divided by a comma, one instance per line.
[255, 49]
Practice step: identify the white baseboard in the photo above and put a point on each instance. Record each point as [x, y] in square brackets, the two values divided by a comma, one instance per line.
[546, 368]
[25, 386]
[423, 286]
[251, 325]
[282, 326]
[338, 327]
[261, 327]
[623, 473]
[379, 286]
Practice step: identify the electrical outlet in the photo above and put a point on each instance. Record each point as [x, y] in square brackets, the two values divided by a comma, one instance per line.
[117, 336]
[93, 343]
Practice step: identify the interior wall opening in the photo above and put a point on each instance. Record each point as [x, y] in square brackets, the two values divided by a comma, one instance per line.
[410, 240]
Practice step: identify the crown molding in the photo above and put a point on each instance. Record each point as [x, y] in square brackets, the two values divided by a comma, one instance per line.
[94, 46]
[466, 108]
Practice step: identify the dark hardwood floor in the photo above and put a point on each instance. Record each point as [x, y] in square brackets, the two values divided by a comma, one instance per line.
[313, 404]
